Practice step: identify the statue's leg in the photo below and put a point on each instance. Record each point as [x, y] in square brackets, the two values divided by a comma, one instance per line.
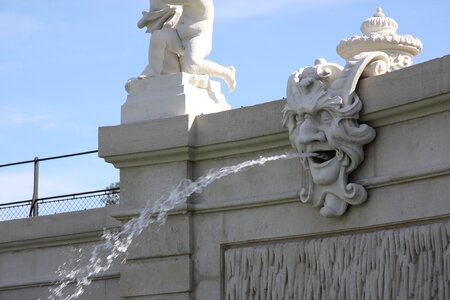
[171, 63]
[173, 49]
[156, 53]
[174, 43]
[195, 51]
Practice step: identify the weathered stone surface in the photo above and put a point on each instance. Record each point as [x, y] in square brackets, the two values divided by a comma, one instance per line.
[31, 250]
[101, 289]
[406, 263]
[156, 277]
[171, 239]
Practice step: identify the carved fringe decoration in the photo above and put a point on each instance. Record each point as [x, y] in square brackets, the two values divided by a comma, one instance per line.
[407, 263]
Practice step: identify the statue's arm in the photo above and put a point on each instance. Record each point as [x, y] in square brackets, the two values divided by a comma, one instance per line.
[178, 2]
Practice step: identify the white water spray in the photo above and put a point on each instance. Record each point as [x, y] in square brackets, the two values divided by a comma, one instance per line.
[116, 243]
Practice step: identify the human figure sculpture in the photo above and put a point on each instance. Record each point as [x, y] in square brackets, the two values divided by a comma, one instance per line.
[165, 44]
[194, 29]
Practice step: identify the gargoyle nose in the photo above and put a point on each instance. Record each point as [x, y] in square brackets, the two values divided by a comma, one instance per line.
[310, 132]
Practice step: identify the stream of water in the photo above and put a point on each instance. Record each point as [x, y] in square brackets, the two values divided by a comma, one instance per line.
[77, 273]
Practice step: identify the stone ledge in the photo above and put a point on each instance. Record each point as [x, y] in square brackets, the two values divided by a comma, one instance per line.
[51, 282]
[412, 84]
[397, 178]
[144, 136]
[250, 129]
[67, 227]
[263, 143]
[408, 111]
[53, 241]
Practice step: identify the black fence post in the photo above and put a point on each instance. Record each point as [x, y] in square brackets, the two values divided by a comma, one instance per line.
[34, 209]
[35, 201]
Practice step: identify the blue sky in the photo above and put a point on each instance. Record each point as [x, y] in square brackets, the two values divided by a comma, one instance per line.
[63, 65]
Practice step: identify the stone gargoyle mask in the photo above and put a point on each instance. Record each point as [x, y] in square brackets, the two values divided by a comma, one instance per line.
[322, 113]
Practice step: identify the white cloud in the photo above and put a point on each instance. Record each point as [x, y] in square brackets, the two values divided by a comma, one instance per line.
[238, 9]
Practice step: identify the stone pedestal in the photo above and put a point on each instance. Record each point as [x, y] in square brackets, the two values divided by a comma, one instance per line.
[171, 95]
[159, 263]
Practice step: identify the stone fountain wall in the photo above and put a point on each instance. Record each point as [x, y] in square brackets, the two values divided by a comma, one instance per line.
[31, 250]
[248, 236]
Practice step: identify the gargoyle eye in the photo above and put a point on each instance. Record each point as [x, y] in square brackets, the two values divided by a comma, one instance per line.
[325, 116]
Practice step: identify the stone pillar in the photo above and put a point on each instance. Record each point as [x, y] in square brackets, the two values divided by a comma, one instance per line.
[151, 149]
[153, 156]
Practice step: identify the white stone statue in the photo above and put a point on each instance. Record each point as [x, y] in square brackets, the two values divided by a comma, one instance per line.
[187, 36]
[165, 44]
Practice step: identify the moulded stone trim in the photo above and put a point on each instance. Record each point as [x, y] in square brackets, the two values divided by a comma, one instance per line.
[125, 215]
[410, 175]
[263, 143]
[51, 282]
[379, 118]
[43, 242]
[71, 229]
[150, 157]
[420, 93]
[408, 111]
[406, 176]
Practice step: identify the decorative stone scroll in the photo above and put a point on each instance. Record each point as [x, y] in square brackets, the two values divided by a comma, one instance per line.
[322, 113]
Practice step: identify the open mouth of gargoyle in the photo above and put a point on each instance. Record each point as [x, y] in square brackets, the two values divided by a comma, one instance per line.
[323, 156]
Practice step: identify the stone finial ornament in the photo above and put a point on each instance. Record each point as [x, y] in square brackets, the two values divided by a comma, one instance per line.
[380, 35]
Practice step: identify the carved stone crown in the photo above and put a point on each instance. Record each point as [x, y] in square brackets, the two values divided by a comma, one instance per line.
[380, 35]
[379, 24]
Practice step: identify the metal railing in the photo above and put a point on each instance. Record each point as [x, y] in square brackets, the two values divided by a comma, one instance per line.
[60, 204]
[57, 204]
